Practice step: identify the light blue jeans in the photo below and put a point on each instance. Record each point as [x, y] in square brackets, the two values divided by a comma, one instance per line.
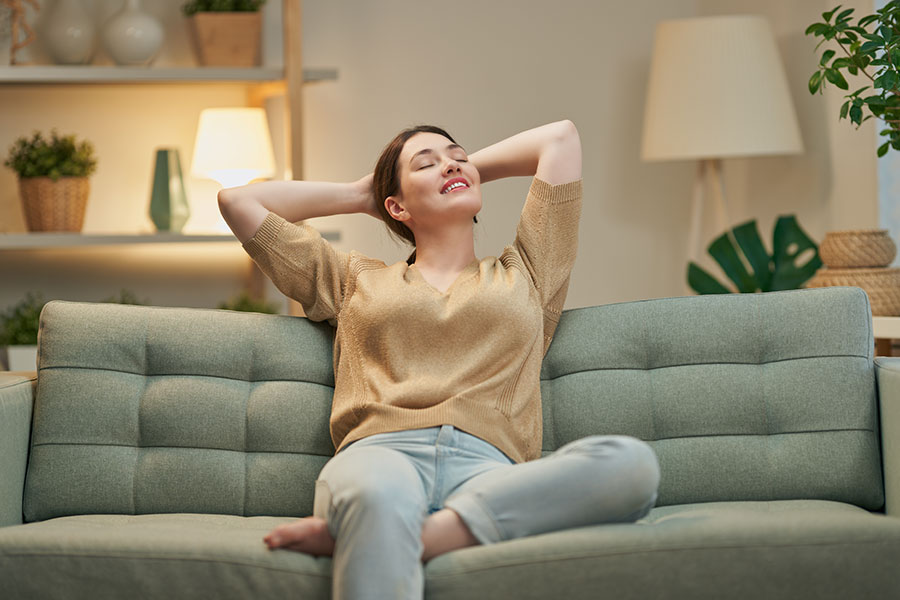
[376, 493]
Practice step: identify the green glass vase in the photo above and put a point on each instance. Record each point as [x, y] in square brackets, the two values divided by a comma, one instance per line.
[169, 208]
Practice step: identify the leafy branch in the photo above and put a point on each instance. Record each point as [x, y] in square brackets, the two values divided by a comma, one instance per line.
[873, 42]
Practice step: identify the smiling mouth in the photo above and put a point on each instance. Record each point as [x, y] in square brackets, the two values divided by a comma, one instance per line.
[455, 184]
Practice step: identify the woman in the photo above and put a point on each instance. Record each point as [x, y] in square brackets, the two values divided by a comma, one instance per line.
[436, 415]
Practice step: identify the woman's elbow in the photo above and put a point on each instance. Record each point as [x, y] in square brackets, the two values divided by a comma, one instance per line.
[566, 132]
[228, 199]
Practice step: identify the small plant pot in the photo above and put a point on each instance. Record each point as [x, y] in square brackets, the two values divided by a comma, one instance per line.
[226, 39]
[22, 358]
[54, 205]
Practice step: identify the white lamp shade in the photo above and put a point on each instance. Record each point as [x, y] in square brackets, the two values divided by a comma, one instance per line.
[233, 146]
[717, 89]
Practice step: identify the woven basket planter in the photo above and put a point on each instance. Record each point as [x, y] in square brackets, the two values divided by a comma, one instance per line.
[226, 39]
[881, 285]
[862, 248]
[54, 205]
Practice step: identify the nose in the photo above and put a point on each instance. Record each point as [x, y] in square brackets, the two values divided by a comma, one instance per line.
[451, 166]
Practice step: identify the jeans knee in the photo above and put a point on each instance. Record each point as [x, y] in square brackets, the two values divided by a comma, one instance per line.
[636, 466]
[642, 472]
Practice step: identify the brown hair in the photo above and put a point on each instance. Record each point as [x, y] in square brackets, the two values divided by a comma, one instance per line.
[387, 179]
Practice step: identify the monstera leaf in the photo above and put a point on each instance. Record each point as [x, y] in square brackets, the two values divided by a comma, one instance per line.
[771, 272]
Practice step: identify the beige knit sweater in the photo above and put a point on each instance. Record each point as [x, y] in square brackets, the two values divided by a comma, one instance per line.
[407, 356]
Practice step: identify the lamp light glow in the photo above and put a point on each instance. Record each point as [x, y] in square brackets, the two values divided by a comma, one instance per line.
[233, 146]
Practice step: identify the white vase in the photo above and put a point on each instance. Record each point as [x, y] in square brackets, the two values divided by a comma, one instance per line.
[69, 33]
[133, 37]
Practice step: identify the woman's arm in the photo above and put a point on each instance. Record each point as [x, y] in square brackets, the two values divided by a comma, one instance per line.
[245, 207]
[551, 152]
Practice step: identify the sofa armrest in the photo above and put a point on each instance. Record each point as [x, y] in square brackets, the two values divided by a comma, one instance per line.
[16, 401]
[887, 376]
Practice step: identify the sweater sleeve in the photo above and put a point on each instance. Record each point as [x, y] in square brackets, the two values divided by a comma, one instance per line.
[546, 241]
[301, 264]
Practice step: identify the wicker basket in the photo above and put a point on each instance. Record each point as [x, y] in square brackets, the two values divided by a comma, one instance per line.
[54, 205]
[881, 285]
[861, 248]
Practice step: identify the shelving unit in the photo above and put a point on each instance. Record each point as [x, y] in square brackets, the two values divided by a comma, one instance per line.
[262, 82]
[47, 240]
[55, 74]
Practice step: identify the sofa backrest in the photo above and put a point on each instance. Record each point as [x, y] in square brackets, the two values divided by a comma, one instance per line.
[146, 410]
[742, 396]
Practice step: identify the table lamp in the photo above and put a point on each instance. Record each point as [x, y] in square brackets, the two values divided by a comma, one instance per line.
[717, 89]
[233, 146]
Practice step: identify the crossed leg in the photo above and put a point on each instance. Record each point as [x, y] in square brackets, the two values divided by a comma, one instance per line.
[443, 531]
[589, 481]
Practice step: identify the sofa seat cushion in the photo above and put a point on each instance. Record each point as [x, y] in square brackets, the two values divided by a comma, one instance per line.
[155, 556]
[737, 550]
[786, 549]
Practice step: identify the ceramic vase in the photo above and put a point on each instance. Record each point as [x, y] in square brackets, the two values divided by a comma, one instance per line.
[133, 37]
[169, 208]
[69, 33]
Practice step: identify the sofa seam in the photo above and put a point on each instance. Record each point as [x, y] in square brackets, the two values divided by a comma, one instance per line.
[55, 367]
[17, 382]
[700, 364]
[168, 558]
[179, 448]
[658, 550]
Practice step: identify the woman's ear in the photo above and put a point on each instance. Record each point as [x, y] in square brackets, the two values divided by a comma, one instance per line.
[395, 209]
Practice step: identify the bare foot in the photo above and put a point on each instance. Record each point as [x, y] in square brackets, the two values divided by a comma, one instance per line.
[309, 535]
[444, 531]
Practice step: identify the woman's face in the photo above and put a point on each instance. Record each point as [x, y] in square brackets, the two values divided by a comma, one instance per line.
[438, 184]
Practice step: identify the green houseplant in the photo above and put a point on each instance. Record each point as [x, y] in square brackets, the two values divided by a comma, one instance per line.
[195, 6]
[243, 302]
[19, 332]
[53, 179]
[225, 32]
[778, 270]
[870, 47]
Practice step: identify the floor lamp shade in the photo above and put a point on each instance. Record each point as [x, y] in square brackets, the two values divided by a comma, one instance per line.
[717, 89]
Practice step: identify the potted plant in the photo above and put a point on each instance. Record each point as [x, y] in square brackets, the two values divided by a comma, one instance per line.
[778, 270]
[871, 47]
[243, 302]
[53, 180]
[225, 32]
[19, 332]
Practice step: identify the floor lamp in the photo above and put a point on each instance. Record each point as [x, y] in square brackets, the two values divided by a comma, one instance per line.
[717, 89]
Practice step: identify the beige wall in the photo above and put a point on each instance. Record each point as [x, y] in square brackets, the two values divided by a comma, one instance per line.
[484, 70]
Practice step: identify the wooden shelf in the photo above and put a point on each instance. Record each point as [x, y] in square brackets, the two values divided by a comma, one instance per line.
[61, 74]
[45, 240]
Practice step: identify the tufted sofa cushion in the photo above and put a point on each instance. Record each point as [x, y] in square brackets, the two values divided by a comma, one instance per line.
[752, 397]
[160, 410]
[743, 396]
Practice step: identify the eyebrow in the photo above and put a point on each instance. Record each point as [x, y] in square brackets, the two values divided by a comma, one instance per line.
[430, 151]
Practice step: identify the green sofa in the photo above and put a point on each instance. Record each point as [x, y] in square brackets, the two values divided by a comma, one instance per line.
[158, 445]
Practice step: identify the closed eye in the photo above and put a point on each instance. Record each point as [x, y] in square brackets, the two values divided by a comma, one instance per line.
[424, 167]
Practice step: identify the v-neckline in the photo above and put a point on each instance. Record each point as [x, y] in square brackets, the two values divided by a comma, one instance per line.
[419, 277]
